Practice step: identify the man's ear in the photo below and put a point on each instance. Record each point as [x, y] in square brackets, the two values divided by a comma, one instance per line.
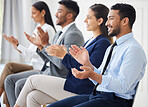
[43, 12]
[125, 21]
[69, 16]
[100, 21]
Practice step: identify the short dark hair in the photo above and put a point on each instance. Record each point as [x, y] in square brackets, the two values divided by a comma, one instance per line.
[40, 5]
[72, 6]
[125, 10]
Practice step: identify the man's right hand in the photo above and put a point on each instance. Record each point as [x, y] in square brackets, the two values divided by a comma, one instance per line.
[87, 73]
[57, 51]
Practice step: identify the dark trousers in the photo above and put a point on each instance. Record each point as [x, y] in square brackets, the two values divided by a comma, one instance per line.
[101, 99]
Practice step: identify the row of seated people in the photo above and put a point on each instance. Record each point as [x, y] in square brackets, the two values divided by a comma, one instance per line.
[60, 69]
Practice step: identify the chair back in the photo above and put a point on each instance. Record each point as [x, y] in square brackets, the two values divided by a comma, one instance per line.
[135, 93]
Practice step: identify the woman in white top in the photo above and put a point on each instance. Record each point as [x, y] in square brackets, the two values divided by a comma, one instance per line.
[40, 14]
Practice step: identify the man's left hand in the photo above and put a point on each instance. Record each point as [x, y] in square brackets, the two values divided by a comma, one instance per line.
[44, 37]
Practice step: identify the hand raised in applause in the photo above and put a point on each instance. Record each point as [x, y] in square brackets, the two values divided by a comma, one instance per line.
[44, 37]
[80, 54]
[86, 73]
[11, 40]
[33, 39]
[57, 51]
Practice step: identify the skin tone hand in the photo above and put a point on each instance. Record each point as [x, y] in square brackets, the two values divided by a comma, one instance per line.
[87, 73]
[11, 40]
[16, 105]
[81, 55]
[34, 40]
[57, 51]
[44, 37]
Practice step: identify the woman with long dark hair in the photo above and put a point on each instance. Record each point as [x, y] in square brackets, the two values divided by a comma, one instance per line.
[40, 14]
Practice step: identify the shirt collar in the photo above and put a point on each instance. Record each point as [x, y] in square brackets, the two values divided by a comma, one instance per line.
[124, 38]
[66, 27]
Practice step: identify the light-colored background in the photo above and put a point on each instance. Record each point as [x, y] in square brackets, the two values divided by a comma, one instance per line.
[140, 31]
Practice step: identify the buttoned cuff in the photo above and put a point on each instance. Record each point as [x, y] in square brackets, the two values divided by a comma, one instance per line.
[20, 47]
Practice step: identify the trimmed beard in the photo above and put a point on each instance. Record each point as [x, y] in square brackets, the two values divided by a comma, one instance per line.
[115, 32]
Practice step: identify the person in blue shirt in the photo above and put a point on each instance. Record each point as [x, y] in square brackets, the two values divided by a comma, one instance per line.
[51, 88]
[124, 71]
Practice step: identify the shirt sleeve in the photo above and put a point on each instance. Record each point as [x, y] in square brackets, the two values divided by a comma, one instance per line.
[131, 70]
[28, 52]
[97, 71]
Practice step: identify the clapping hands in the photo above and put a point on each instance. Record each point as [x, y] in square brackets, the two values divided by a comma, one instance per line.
[80, 54]
[86, 73]
[44, 37]
[40, 40]
[34, 40]
[11, 40]
[57, 51]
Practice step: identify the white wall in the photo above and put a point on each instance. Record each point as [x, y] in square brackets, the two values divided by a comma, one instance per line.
[140, 32]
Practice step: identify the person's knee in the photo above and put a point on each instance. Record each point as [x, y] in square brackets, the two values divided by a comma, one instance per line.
[8, 80]
[33, 78]
[9, 65]
[9, 68]
[18, 87]
[32, 98]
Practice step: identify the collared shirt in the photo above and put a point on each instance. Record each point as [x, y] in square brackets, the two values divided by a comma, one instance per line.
[125, 69]
[90, 40]
[63, 31]
[61, 36]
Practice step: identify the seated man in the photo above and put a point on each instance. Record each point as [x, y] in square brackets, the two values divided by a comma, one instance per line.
[123, 67]
[71, 35]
